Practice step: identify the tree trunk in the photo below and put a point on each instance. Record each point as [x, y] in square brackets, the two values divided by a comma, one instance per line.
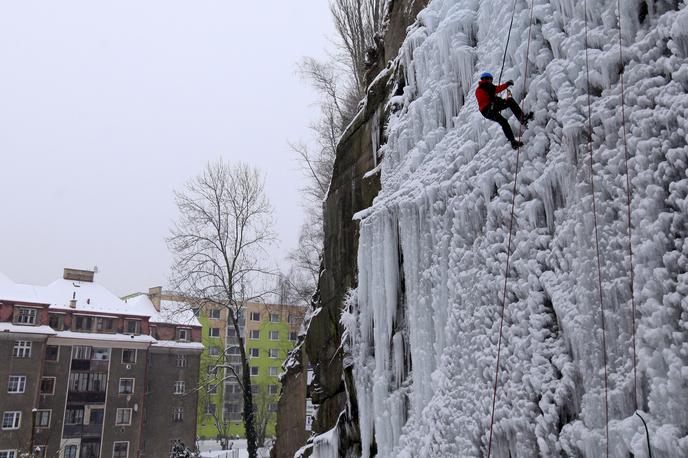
[249, 416]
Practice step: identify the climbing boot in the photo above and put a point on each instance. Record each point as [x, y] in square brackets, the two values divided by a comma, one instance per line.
[516, 144]
[527, 117]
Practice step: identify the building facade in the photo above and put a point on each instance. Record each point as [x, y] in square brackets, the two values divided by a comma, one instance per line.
[268, 331]
[88, 375]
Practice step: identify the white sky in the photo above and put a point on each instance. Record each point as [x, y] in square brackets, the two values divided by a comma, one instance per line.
[107, 106]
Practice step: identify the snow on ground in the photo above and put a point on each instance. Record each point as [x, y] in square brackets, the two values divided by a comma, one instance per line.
[212, 449]
[432, 249]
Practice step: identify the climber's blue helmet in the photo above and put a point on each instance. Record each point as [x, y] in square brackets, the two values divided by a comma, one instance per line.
[486, 76]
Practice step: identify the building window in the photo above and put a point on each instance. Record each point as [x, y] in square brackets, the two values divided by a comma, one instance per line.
[273, 353]
[273, 389]
[128, 356]
[43, 418]
[47, 385]
[96, 417]
[41, 451]
[83, 323]
[70, 451]
[126, 386]
[74, 416]
[120, 450]
[212, 389]
[52, 353]
[275, 318]
[214, 314]
[22, 349]
[178, 414]
[255, 334]
[132, 327]
[16, 384]
[231, 332]
[83, 382]
[212, 370]
[8, 454]
[25, 315]
[104, 324]
[254, 371]
[273, 371]
[123, 417]
[182, 361]
[11, 420]
[255, 316]
[293, 336]
[293, 319]
[214, 332]
[254, 352]
[81, 353]
[56, 321]
[214, 351]
[210, 408]
[100, 354]
[179, 387]
[183, 334]
[274, 335]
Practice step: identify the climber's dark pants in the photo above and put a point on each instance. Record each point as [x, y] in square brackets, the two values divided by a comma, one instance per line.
[491, 112]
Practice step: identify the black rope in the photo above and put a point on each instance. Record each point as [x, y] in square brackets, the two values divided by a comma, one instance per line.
[506, 46]
[647, 434]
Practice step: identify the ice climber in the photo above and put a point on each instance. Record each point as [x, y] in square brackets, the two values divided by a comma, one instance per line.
[490, 105]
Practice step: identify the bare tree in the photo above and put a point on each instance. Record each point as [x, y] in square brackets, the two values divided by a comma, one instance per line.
[219, 246]
[264, 414]
[210, 385]
[357, 22]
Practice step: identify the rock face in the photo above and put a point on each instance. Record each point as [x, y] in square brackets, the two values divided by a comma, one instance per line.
[291, 408]
[351, 191]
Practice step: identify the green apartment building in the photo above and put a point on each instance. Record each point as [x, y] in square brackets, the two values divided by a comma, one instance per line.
[269, 332]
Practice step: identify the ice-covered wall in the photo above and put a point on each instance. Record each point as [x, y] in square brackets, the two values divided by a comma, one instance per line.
[432, 248]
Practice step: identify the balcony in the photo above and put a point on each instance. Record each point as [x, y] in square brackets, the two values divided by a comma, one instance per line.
[91, 397]
[93, 430]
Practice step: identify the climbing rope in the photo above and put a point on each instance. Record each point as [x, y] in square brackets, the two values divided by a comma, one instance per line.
[628, 213]
[506, 46]
[597, 240]
[511, 223]
[630, 241]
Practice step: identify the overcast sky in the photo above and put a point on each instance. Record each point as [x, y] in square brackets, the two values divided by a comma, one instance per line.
[107, 106]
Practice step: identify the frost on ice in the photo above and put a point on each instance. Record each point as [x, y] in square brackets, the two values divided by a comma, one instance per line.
[432, 248]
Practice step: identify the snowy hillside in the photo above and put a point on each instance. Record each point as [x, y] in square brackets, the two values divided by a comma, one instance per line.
[432, 250]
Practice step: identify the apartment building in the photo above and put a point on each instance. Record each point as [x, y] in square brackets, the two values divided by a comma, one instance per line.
[270, 331]
[89, 375]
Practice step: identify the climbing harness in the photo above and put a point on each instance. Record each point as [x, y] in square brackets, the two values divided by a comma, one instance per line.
[511, 221]
[597, 239]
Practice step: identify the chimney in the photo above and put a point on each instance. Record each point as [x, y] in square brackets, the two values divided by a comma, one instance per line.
[78, 275]
[72, 303]
[155, 294]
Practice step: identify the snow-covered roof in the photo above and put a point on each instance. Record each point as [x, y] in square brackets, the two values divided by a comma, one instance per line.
[92, 297]
[11, 291]
[19, 329]
[140, 338]
[171, 312]
[179, 345]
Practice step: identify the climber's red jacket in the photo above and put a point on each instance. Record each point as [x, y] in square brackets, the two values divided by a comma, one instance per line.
[487, 92]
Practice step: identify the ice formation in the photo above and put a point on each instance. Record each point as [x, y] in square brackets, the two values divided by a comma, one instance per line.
[432, 248]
